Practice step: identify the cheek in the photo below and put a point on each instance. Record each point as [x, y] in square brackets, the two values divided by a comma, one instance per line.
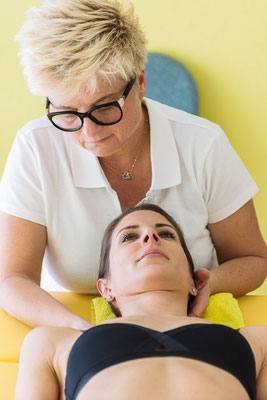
[121, 266]
[115, 268]
[132, 113]
[75, 137]
[181, 263]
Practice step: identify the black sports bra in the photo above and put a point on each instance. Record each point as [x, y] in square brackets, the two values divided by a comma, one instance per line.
[110, 344]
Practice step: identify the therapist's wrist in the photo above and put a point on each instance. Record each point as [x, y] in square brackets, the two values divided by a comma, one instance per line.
[213, 283]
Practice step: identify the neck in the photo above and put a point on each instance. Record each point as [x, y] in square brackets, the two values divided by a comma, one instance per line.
[160, 303]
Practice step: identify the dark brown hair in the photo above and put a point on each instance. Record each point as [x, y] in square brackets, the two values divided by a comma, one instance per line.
[106, 242]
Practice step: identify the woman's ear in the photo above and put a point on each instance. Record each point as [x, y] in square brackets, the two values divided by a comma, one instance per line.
[103, 288]
[193, 290]
[193, 286]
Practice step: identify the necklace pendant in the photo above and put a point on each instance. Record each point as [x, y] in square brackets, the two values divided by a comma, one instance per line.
[127, 175]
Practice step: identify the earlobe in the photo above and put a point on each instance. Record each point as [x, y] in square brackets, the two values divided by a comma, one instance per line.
[193, 291]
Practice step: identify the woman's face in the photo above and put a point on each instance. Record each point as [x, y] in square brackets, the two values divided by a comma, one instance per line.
[104, 140]
[146, 255]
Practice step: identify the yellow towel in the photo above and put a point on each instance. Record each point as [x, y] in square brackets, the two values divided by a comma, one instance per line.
[223, 309]
[100, 311]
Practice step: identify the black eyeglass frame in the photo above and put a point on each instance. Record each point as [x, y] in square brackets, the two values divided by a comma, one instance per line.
[119, 104]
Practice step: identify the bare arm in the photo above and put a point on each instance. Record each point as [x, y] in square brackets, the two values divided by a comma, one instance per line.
[37, 378]
[43, 362]
[261, 393]
[257, 338]
[22, 247]
[242, 255]
[241, 251]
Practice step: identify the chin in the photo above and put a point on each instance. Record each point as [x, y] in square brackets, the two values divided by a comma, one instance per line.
[158, 283]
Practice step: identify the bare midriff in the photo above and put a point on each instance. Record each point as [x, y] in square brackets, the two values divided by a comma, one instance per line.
[168, 378]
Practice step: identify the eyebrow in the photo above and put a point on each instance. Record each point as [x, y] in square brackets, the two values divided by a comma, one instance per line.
[97, 101]
[158, 225]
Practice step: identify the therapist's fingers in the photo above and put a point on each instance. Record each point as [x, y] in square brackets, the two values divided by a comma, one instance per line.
[202, 276]
[200, 303]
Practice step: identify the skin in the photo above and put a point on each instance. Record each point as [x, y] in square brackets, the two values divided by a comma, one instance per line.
[237, 239]
[115, 141]
[151, 290]
[20, 270]
[242, 256]
[143, 273]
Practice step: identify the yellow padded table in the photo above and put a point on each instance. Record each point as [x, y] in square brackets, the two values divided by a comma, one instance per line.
[12, 333]
[8, 377]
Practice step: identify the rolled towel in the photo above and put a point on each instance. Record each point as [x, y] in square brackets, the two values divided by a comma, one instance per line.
[100, 310]
[223, 309]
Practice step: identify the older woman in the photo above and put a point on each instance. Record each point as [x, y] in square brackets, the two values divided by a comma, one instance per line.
[154, 350]
[103, 148]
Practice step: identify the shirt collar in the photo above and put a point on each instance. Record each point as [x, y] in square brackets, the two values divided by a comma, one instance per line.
[87, 171]
[164, 153]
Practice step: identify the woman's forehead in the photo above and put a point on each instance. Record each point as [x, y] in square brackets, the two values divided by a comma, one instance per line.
[86, 97]
[141, 218]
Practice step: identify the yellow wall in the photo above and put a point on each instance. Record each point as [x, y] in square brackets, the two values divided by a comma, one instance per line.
[222, 42]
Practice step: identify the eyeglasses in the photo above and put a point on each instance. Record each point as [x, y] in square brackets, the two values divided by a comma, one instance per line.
[104, 114]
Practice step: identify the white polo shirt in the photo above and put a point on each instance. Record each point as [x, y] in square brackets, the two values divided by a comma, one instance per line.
[196, 177]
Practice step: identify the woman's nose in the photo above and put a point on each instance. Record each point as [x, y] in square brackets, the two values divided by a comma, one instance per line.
[90, 128]
[150, 235]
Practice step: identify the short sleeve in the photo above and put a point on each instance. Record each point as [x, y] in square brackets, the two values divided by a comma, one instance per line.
[227, 183]
[21, 185]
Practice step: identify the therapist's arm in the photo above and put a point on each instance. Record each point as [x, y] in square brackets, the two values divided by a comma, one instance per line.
[241, 251]
[22, 248]
[242, 256]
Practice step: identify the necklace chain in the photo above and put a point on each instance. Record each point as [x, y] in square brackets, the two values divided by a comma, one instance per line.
[127, 175]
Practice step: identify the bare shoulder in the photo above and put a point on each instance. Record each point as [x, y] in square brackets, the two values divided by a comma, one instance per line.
[51, 338]
[49, 345]
[43, 360]
[257, 339]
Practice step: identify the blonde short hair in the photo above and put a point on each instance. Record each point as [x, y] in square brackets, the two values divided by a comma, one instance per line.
[66, 45]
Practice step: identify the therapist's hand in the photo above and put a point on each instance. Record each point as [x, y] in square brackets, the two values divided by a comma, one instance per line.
[201, 301]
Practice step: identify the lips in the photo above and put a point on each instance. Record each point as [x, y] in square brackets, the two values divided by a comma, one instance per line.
[99, 141]
[153, 253]
[93, 142]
